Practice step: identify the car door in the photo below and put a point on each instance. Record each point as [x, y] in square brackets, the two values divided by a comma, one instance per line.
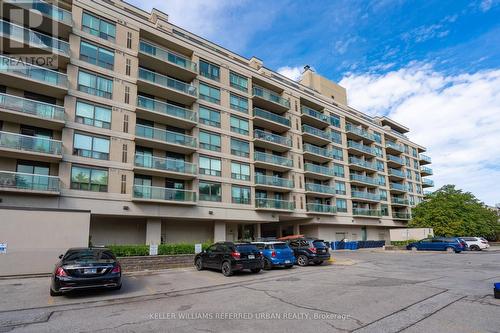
[425, 244]
[220, 254]
[209, 256]
[437, 245]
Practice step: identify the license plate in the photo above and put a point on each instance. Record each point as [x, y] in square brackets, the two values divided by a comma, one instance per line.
[90, 271]
[287, 261]
[251, 256]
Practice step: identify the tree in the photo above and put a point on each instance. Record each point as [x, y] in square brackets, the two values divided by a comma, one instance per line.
[452, 212]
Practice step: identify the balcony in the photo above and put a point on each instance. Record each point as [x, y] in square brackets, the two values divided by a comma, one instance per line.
[163, 60]
[365, 196]
[162, 194]
[315, 208]
[273, 183]
[394, 161]
[271, 141]
[274, 204]
[401, 216]
[166, 113]
[270, 120]
[167, 140]
[395, 187]
[166, 87]
[267, 99]
[314, 118]
[364, 180]
[428, 192]
[425, 171]
[31, 112]
[427, 182]
[393, 147]
[367, 212]
[360, 165]
[29, 183]
[396, 174]
[318, 171]
[164, 167]
[315, 136]
[320, 190]
[272, 162]
[29, 77]
[424, 159]
[317, 154]
[27, 147]
[357, 133]
[395, 201]
[356, 148]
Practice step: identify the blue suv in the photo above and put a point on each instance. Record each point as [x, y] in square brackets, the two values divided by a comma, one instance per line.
[452, 244]
[276, 254]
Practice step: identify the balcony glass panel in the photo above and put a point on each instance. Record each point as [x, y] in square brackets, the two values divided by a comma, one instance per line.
[366, 212]
[365, 179]
[319, 188]
[270, 96]
[320, 208]
[365, 195]
[167, 82]
[166, 108]
[316, 132]
[48, 76]
[359, 131]
[30, 143]
[315, 114]
[273, 181]
[274, 204]
[166, 55]
[31, 107]
[257, 112]
[318, 169]
[166, 136]
[273, 159]
[28, 181]
[167, 164]
[274, 138]
[361, 147]
[162, 193]
[318, 150]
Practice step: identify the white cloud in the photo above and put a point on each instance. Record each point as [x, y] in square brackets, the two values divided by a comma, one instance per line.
[457, 117]
[426, 32]
[486, 5]
[293, 73]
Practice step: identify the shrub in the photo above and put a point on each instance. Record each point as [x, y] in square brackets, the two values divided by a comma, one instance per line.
[403, 243]
[163, 249]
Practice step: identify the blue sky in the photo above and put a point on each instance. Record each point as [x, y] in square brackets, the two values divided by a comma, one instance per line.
[432, 65]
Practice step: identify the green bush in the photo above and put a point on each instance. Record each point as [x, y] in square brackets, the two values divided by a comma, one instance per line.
[163, 249]
[402, 243]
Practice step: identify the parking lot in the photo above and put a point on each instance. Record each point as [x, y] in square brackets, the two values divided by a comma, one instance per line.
[364, 291]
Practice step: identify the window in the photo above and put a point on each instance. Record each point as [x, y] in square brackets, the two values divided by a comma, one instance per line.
[124, 153]
[98, 27]
[412, 199]
[129, 40]
[341, 205]
[410, 187]
[240, 171]
[239, 125]
[127, 95]
[408, 174]
[340, 188]
[335, 120]
[381, 179]
[383, 195]
[407, 149]
[240, 148]
[210, 166]
[210, 191]
[380, 165]
[93, 115]
[237, 81]
[210, 94]
[128, 66]
[238, 103]
[209, 116]
[125, 123]
[240, 194]
[88, 179]
[91, 146]
[415, 164]
[338, 170]
[97, 55]
[209, 70]
[209, 141]
[95, 85]
[123, 187]
[384, 209]
[378, 151]
[414, 151]
[378, 137]
[336, 137]
[337, 154]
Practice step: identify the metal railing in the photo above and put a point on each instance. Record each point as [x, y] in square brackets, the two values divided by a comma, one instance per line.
[318, 169]
[166, 164]
[361, 147]
[315, 114]
[273, 181]
[30, 143]
[273, 138]
[396, 159]
[273, 159]
[365, 179]
[319, 188]
[41, 74]
[31, 107]
[166, 136]
[359, 131]
[260, 113]
[28, 181]
[167, 82]
[270, 96]
[168, 56]
[321, 208]
[317, 150]
[162, 193]
[362, 163]
[365, 195]
[366, 212]
[396, 172]
[274, 204]
[317, 132]
[166, 108]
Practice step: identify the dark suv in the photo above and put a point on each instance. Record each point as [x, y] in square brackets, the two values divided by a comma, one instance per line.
[229, 257]
[308, 250]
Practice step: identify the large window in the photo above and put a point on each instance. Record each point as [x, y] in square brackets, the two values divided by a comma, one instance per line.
[240, 194]
[93, 115]
[210, 191]
[209, 70]
[240, 171]
[381, 179]
[91, 146]
[210, 94]
[336, 137]
[383, 195]
[341, 205]
[340, 188]
[335, 120]
[240, 148]
[98, 27]
[89, 179]
[337, 154]
[338, 170]
[239, 125]
[97, 55]
[210, 166]
[95, 85]
[238, 103]
[210, 141]
[237, 81]
[209, 116]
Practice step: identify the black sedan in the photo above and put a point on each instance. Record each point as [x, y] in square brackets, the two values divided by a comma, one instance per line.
[86, 268]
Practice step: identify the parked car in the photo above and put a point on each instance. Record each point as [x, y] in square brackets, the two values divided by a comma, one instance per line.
[308, 250]
[449, 244]
[276, 254]
[476, 243]
[229, 257]
[85, 268]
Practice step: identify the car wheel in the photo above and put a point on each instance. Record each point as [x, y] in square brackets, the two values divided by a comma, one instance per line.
[226, 268]
[302, 260]
[267, 265]
[475, 248]
[55, 293]
[255, 270]
[198, 264]
[450, 250]
[414, 248]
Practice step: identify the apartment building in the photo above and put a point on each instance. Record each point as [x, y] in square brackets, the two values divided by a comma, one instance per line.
[163, 136]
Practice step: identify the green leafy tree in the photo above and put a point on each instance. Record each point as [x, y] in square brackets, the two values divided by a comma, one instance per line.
[452, 212]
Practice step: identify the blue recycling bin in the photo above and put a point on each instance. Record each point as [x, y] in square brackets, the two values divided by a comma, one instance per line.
[496, 291]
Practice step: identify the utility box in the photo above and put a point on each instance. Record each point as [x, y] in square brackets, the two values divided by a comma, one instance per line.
[399, 235]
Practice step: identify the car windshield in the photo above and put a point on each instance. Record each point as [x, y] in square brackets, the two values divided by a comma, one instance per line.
[319, 244]
[280, 246]
[246, 247]
[90, 254]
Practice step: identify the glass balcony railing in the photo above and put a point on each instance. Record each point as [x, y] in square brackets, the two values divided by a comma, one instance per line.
[274, 204]
[31, 107]
[425, 158]
[260, 113]
[362, 163]
[167, 82]
[270, 96]
[163, 193]
[426, 170]
[399, 187]
[319, 188]
[395, 159]
[396, 172]
[273, 138]
[365, 179]
[365, 195]
[315, 114]
[366, 212]
[403, 216]
[317, 150]
[165, 164]
[48, 10]
[318, 169]
[28, 181]
[273, 181]
[427, 182]
[321, 208]
[317, 132]
[166, 108]
[273, 159]
[47, 76]
[394, 145]
[359, 131]
[428, 192]
[400, 201]
[360, 147]
[30, 143]
[168, 56]
[165, 136]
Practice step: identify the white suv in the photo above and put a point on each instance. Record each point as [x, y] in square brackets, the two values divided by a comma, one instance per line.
[476, 243]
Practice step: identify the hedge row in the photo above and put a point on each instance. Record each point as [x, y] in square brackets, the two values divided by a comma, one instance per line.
[401, 243]
[163, 249]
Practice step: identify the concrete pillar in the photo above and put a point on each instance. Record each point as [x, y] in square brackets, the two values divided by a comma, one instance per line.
[257, 230]
[219, 231]
[153, 231]
[280, 231]
[296, 229]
